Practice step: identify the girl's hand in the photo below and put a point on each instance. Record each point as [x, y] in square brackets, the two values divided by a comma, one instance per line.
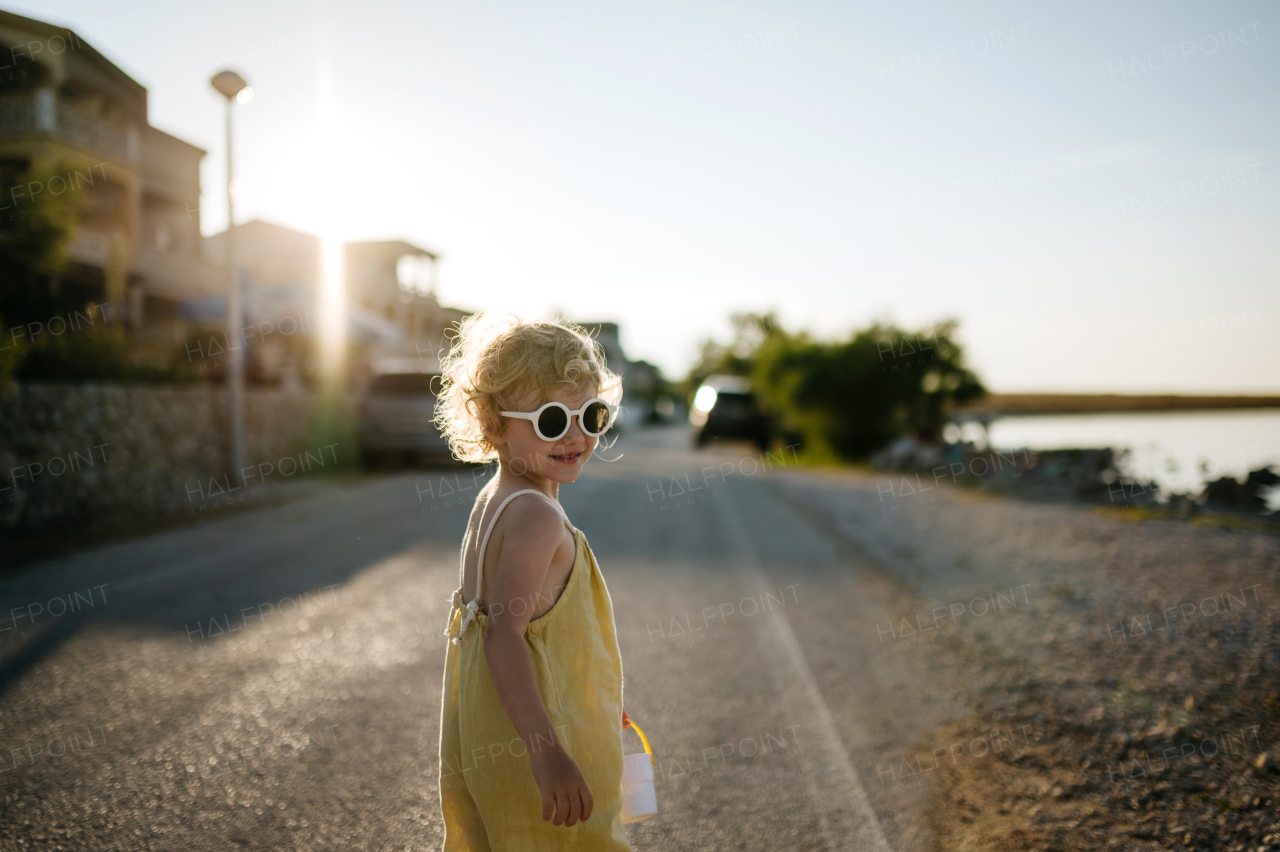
[626, 720]
[563, 788]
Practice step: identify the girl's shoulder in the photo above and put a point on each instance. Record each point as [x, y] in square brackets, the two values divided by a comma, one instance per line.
[527, 513]
[524, 514]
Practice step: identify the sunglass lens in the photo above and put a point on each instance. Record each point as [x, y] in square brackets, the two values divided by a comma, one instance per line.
[596, 418]
[553, 422]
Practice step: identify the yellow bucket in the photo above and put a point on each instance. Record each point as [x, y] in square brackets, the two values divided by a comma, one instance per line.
[639, 798]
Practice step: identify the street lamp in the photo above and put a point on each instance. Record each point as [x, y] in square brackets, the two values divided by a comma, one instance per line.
[232, 86]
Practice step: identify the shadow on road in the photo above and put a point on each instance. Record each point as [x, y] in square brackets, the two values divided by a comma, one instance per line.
[212, 579]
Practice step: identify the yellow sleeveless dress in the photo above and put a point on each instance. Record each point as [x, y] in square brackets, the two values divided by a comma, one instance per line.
[487, 793]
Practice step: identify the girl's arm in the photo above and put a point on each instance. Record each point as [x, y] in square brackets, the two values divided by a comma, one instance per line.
[533, 534]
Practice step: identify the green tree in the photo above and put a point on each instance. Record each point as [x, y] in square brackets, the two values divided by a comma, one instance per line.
[36, 229]
[8, 358]
[35, 234]
[846, 399]
[737, 358]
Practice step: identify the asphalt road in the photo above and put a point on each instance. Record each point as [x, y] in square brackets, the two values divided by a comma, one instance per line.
[272, 680]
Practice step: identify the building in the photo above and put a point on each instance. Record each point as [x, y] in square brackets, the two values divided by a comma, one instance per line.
[68, 112]
[395, 281]
[393, 315]
[640, 379]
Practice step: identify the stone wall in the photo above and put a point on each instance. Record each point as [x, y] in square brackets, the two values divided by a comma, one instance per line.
[87, 453]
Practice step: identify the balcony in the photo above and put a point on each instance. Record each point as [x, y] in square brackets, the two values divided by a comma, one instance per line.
[42, 114]
[180, 278]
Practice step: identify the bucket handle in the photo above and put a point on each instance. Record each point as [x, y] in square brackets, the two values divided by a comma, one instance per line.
[643, 739]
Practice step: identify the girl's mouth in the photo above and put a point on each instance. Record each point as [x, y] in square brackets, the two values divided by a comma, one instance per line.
[566, 458]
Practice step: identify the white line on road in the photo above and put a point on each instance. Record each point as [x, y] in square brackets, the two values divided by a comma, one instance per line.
[848, 820]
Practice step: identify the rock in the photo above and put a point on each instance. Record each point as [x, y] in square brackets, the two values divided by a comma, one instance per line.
[1233, 496]
[908, 453]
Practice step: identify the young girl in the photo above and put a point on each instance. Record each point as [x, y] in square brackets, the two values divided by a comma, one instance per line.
[531, 718]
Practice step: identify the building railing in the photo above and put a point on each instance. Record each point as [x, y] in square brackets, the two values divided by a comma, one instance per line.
[17, 116]
[42, 113]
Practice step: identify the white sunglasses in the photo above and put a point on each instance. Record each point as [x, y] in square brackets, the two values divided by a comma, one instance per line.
[551, 420]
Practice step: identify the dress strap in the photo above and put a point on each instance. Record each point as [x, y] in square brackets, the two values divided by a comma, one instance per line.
[484, 543]
[470, 609]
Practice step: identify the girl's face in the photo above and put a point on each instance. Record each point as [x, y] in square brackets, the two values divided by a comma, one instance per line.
[522, 452]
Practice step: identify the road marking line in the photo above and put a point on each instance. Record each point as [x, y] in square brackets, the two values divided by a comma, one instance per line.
[847, 818]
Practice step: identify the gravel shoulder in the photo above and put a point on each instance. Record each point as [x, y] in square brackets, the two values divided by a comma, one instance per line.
[1117, 683]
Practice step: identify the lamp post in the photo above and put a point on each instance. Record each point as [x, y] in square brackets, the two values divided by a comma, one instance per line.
[232, 86]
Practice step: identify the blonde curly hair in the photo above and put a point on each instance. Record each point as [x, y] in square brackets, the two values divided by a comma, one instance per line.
[496, 360]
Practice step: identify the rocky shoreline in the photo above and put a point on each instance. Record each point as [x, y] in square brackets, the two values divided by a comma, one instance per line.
[1089, 475]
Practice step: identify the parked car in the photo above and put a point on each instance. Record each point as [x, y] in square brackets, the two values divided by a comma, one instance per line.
[395, 418]
[724, 407]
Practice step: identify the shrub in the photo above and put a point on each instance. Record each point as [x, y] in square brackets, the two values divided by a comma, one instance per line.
[98, 355]
[845, 400]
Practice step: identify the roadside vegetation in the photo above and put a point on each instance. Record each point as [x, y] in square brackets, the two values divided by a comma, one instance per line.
[35, 239]
[843, 400]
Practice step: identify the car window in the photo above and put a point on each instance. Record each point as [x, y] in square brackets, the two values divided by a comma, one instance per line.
[406, 384]
[734, 403]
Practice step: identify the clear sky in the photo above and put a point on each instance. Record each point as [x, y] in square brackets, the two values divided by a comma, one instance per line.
[1092, 189]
